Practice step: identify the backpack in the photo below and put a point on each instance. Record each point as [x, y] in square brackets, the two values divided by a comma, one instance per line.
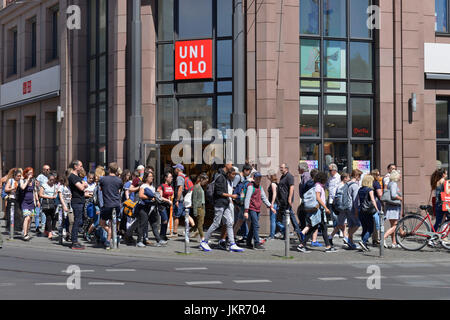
[343, 201]
[188, 185]
[241, 190]
[209, 194]
[128, 207]
[310, 200]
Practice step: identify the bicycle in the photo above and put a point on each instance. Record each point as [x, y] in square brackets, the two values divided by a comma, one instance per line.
[415, 231]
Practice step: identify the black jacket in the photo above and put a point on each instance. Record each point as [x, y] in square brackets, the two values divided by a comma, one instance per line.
[221, 187]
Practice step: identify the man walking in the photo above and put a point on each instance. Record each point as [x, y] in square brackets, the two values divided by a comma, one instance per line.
[178, 209]
[41, 179]
[223, 208]
[77, 187]
[111, 186]
[286, 196]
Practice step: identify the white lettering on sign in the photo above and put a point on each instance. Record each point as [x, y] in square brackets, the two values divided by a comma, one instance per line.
[193, 59]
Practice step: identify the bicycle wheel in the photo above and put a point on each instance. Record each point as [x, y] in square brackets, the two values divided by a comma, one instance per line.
[445, 236]
[410, 233]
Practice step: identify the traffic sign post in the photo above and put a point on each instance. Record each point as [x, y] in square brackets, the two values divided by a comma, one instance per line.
[11, 219]
[286, 233]
[186, 232]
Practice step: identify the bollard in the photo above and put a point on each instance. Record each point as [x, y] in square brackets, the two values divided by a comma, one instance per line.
[114, 230]
[286, 233]
[186, 232]
[60, 223]
[381, 234]
[11, 219]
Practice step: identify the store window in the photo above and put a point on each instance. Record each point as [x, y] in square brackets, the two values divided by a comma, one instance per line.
[442, 16]
[98, 76]
[336, 77]
[442, 131]
[180, 103]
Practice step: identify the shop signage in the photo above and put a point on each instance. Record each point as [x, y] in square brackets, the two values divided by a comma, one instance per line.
[312, 164]
[362, 165]
[193, 59]
[37, 86]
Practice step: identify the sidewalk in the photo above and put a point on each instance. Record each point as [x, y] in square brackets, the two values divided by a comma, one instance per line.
[274, 253]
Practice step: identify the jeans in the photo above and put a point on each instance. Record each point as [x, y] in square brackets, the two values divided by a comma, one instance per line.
[40, 218]
[154, 223]
[254, 228]
[367, 223]
[78, 210]
[376, 218]
[51, 219]
[164, 222]
[273, 221]
[139, 224]
[439, 216]
[294, 221]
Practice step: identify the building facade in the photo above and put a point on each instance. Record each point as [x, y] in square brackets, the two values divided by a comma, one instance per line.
[337, 90]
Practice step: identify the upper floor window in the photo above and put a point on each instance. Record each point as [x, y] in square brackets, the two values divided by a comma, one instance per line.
[12, 52]
[441, 14]
[52, 42]
[31, 43]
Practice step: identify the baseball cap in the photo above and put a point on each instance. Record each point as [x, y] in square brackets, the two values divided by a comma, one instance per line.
[178, 166]
[257, 175]
[140, 167]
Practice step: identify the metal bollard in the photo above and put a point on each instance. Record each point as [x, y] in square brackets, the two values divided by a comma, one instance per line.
[114, 230]
[381, 234]
[11, 219]
[286, 233]
[186, 232]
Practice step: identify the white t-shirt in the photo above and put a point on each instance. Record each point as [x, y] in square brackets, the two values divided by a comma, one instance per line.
[91, 187]
[49, 191]
[66, 194]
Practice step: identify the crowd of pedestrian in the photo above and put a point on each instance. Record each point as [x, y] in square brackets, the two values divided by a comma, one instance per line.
[77, 205]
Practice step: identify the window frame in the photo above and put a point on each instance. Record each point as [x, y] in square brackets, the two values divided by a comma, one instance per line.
[215, 80]
[322, 93]
[441, 33]
[444, 141]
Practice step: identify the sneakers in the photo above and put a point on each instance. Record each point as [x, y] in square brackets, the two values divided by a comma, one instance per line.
[341, 234]
[316, 244]
[262, 241]
[107, 245]
[26, 238]
[204, 246]
[395, 246]
[259, 246]
[303, 249]
[161, 243]
[385, 245]
[235, 248]
[364, 246]
[77, 246]
[140, 244]
[279, 235]
[331, 249]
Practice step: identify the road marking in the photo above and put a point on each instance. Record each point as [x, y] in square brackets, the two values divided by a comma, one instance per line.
[252, 281]
[65, 271]
[106, 283]
[193, 283]
[366, 277]
[7, 284]
[415, 265]
[120, 270]
[333, 279]
[51, 284]
[197, 268]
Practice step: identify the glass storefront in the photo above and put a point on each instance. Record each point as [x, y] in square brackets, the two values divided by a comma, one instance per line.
[336, 84]
[442, 131]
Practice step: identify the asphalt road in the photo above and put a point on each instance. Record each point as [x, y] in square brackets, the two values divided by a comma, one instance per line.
[34, 273]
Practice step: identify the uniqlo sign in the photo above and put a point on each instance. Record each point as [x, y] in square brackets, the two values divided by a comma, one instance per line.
[26, 87]
[193, 59]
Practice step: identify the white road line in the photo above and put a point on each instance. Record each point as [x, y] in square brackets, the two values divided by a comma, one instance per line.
[332, 279]
[106, 283]
[120, 270]
[197, 268]
[252, 281]
[51, 284]
[193, 283]
[7, 284]
[366, 277]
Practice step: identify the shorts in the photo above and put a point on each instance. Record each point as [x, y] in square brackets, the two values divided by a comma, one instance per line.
[341, 219]
[28, 213]
[106, 213]
[178, 212]
[352, 220]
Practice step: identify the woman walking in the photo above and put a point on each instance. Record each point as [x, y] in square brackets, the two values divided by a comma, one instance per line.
[12, 191]
[198, 204]
[367, 208]
[29, 200]
[273, 199]
[166, 192]
[438, 179]
[394, 208]
[48, 192]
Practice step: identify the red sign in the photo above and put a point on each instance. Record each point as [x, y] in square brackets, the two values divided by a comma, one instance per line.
[26, 87]
[193, 59]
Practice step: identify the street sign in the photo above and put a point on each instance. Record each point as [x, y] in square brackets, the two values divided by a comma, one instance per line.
[193, 59]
